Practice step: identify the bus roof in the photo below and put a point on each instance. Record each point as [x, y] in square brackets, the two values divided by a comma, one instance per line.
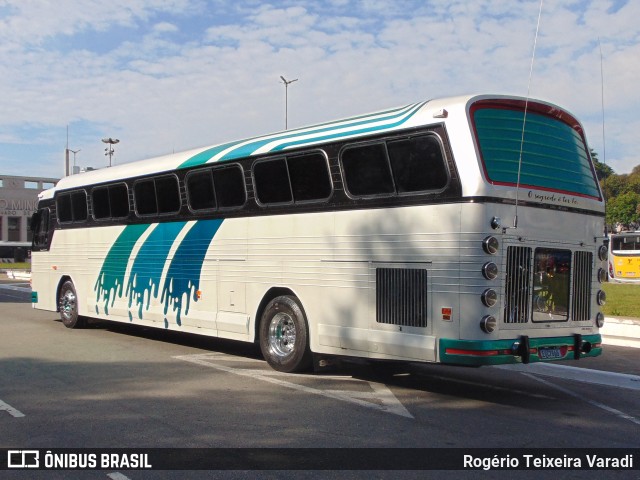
[422, 113]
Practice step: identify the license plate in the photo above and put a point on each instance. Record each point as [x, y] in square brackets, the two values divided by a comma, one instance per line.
[549, 353]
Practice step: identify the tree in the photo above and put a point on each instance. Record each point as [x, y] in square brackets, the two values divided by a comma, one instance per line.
[624, 209]
[602, 170]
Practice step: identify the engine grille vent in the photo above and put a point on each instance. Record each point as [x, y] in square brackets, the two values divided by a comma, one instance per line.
[581, 305]
[517, 292]
[401, 296]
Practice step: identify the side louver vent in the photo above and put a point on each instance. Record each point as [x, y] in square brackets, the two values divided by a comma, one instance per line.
[401, 296]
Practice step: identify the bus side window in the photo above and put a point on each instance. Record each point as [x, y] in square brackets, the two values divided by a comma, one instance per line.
[229, 187]
[417, 164]
[72, 207]
[157, 195]
[168, 194]
[100, 202]
[366, 170]
[144, 193]
[272, 181]
[79, 205]
[110, 202]
[119, 200]
[310, 178]
[200, 192]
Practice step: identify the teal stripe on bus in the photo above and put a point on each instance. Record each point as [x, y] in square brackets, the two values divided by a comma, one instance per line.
[146, 271]
[110, 279]
[182, 283]
[333, 130]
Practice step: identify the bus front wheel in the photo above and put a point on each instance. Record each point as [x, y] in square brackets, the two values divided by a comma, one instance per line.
[284, 335]
[68, 306]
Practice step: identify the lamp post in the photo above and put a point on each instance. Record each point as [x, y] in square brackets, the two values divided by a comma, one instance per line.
[109, 150]
[286, 99]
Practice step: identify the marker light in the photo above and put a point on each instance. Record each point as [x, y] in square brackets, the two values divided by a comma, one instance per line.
[491, 245]
[496, 223]
[489, 297]
[490, 270]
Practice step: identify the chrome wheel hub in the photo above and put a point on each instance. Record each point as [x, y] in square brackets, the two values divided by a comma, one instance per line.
[282, 335]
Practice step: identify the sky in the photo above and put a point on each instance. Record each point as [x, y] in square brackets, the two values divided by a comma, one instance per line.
[164, 76]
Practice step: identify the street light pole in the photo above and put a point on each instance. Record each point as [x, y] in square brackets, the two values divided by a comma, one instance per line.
[286, 100]
[74, 159]
[109, 150]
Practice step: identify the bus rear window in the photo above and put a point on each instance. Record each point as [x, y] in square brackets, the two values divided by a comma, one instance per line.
[554, 155]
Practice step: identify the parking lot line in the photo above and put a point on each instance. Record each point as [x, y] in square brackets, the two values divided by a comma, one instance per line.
[10, 410]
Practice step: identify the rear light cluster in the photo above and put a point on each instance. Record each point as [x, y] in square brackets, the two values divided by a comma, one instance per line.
[601, 296]
[489, 298]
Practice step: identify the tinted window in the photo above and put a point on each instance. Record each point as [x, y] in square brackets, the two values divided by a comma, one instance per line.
[366, 170]
[110, 202]
[417, 164]
[79, 206]
[310, 179]
[229, 187]
[119, 200]
[200, 190]
[72, 207]
[145, 197]
[63, 207]
[100, 199]
[157, 195]
[168, 194]
[272, 181]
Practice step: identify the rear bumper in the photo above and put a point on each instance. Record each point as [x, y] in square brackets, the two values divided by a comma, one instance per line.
[518, 350]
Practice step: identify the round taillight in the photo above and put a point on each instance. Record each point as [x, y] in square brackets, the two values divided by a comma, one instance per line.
[490, 270]
[491, 245]
[602, 252]
[489, 297]
[602, 275]
[488, 323]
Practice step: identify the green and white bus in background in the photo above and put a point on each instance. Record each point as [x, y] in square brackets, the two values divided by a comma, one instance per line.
[384, 236]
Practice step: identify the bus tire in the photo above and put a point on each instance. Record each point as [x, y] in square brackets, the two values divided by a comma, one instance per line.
[284, 335]
[68, 306]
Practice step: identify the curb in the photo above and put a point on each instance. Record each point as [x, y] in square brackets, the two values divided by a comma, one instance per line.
[622, 332]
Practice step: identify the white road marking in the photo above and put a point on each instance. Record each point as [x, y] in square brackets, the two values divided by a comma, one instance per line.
[10, 410]
[381, 398]
[607, 408]
[117, 476]
[585, 375]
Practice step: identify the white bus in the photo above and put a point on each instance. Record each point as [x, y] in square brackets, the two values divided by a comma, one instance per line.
[384, 236]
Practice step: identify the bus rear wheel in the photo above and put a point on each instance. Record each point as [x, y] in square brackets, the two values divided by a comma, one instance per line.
[284, 335]
[68, 306]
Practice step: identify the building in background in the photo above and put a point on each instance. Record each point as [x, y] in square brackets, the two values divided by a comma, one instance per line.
[18, 201]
